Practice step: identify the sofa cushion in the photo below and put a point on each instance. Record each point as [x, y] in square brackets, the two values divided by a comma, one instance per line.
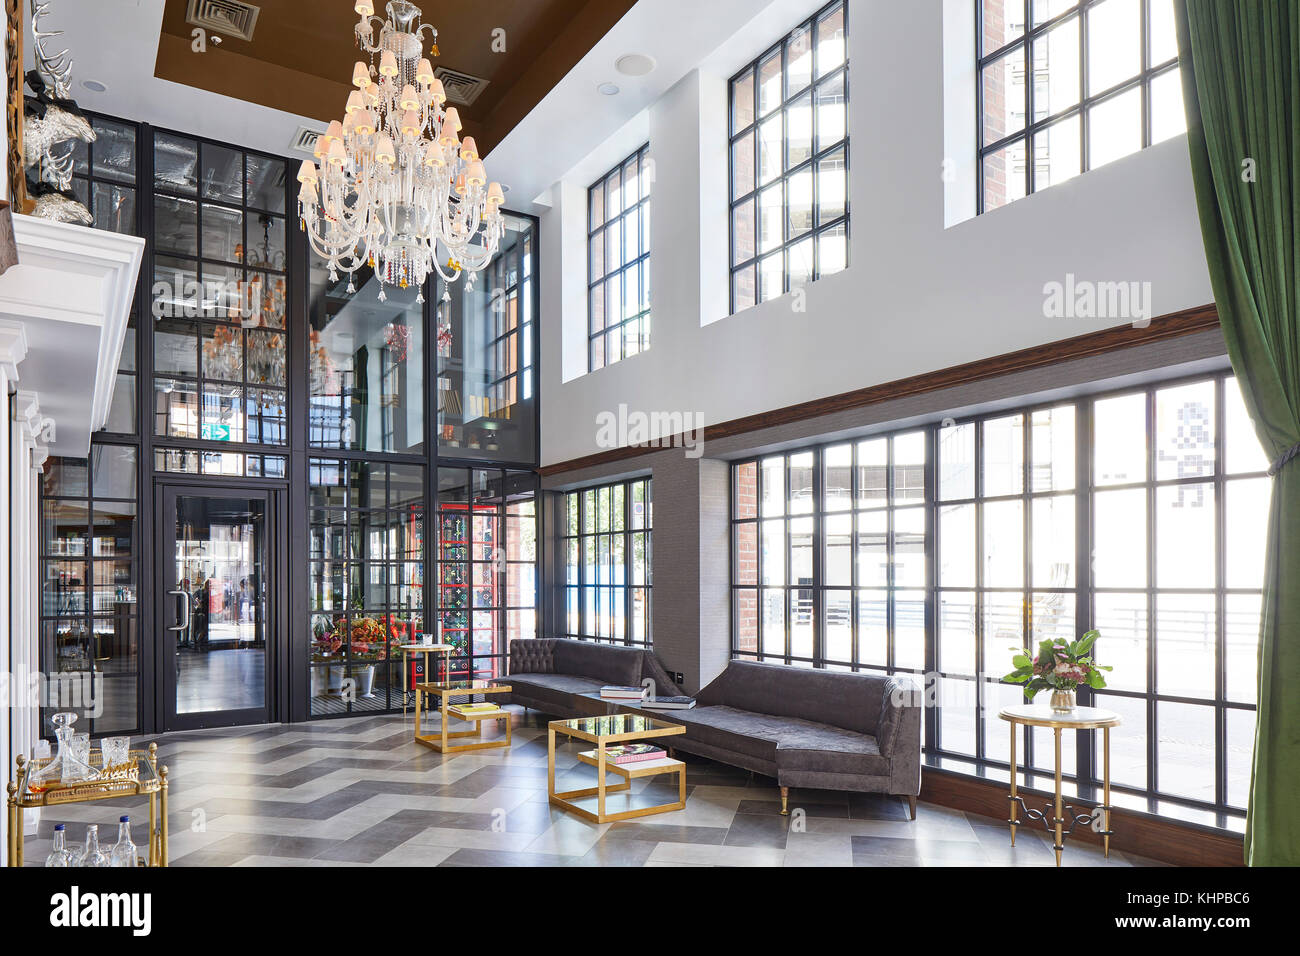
[850, 701]
[533, 656]
[602, 662]
[826, 749]
[556, 690]
[727, 728]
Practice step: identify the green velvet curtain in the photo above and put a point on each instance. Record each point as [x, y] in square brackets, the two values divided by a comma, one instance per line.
[1241, 85]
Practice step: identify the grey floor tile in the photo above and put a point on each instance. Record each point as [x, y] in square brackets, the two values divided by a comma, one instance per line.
[666, 833]
[757, 829]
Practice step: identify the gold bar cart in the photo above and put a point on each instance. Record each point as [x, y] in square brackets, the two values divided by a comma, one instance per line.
[150, 779]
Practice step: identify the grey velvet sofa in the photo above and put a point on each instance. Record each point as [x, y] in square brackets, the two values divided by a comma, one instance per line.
[551, 674]
[810, 728]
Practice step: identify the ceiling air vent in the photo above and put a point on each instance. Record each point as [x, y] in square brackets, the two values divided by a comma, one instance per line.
[462, 89]
[231, 18]
[304, 141]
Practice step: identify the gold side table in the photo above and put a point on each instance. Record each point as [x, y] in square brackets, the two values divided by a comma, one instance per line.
[425, 649]
[445, 691]
[151, 780]
[603, 731]
[1081, 718]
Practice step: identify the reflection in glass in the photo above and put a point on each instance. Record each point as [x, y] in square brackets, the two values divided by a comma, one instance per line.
[485, 340]
[365, 364]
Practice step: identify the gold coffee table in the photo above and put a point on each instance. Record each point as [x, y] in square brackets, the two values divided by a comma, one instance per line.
[603, 731]
[445, 691]
[1081, 718]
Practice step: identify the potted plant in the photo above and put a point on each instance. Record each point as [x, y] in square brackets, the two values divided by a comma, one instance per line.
[368, 644]
[1060, 666]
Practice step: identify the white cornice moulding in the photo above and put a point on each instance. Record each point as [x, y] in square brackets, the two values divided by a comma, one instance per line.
[13, 349]
[71, 293]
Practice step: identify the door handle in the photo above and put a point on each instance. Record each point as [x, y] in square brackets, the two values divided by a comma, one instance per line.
[184, 604]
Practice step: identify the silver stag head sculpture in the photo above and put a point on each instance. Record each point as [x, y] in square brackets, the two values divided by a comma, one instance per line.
[57, 68]
[52, 121]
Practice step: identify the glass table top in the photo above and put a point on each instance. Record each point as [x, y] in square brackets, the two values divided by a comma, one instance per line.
[615, 724]
[478, 686]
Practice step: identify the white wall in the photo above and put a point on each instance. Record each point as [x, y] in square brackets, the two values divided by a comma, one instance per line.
[917, 296]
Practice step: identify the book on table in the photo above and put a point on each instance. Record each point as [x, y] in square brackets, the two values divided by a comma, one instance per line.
[472, 710]
[669, 703]
[633, 753]
[624, 692]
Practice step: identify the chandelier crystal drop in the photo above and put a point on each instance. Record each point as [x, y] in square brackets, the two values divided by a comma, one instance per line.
[396, 188]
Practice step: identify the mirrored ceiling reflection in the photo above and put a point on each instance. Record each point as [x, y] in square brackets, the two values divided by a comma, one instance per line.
[365, 364]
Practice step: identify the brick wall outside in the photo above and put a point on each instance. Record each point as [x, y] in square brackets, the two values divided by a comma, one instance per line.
[746, 548]
[994, 118]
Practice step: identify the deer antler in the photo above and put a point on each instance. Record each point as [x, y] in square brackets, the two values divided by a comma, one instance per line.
[56, 67]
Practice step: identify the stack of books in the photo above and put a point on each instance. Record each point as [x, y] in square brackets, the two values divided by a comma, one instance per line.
[633, 753]
[472, 710]
[668, 703]
[622, 692]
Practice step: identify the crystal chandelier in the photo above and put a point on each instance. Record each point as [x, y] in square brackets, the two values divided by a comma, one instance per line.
[396, 188]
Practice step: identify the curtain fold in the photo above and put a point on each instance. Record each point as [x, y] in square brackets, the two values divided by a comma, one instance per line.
[1240, 66]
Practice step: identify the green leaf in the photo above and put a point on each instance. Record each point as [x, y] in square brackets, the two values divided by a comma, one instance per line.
[1022, 660]
[1086, 642]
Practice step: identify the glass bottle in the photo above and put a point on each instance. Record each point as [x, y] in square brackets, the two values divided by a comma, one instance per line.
[66, 767]
[92, 855]
[60, 855]
[123, 850]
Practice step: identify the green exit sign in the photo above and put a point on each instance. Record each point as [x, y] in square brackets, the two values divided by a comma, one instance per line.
[215, 432]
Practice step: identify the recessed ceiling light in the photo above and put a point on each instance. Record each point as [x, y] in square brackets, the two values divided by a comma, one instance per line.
[634, 64]
[607, 89]
[94, 86]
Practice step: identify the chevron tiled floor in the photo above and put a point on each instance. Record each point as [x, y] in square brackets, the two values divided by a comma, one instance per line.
[360, 792]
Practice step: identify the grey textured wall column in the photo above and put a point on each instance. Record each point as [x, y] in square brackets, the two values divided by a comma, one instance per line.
[714, 628]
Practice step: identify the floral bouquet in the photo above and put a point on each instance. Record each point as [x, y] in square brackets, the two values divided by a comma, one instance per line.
[1059, 666]
[325, 648]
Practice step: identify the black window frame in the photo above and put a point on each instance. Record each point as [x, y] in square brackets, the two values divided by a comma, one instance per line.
[1086, 773]
[1142, 80]
[817, 229]
[639, 265]
[272, 413]
[574, 583]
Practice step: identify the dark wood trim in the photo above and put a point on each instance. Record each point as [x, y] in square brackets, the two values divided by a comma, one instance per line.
[1157, 838]
[1174, 325]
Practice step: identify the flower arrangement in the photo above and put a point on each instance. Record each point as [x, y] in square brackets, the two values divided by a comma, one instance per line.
[368, 639]
[1060, 666]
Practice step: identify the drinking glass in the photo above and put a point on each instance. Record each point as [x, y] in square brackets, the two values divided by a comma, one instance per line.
[117, 751]
[81, 747]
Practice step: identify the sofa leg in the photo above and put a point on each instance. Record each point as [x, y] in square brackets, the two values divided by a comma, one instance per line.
[785, 800]
[911, 806]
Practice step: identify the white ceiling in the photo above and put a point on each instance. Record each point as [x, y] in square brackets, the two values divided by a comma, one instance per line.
[116, 43]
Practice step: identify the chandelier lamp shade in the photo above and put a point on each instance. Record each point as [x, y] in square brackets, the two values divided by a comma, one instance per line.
[394, 186]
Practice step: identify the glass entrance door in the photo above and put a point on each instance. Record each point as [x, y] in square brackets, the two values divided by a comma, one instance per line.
[215, 608]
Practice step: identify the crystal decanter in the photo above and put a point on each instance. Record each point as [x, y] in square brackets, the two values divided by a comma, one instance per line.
[66, 767]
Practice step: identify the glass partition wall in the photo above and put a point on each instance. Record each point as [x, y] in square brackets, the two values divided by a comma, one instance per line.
[266, 382]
